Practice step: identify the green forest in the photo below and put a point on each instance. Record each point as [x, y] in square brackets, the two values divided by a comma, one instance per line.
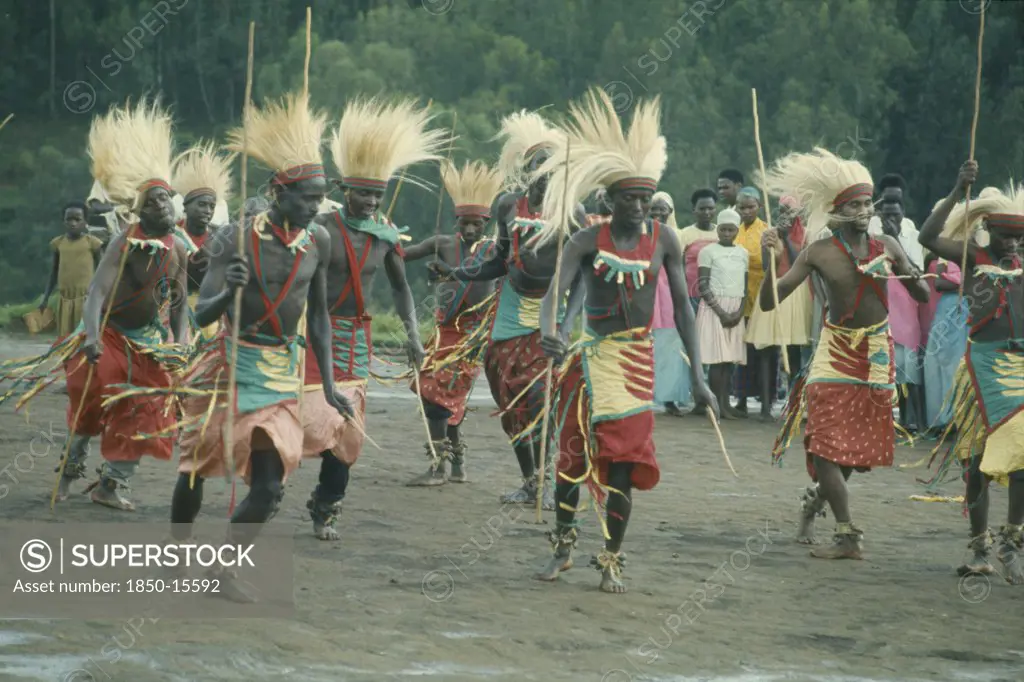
[889, 82]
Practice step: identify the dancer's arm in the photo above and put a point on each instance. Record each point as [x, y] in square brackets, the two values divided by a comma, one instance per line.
[930, 235]
[421, 250]
[788, 283]
[227, 272]
[318, 322]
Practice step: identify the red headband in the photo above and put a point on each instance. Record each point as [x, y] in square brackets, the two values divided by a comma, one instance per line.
[305, 171]
[199, 191]
[862, 189]
[365, 183]
[1005, 221]
[535, 148]
[155, 182]
[633, 183]
[472, 210]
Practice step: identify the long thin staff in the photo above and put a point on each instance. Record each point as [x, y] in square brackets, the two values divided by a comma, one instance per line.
[437, 235]
[440, 191]
[721, 441]
[974, 130]
[768, 220]
[309, 43]
[229, 453]
[89, 375]
[401, 179]
[549, 372]
[302, 321]
[9, 117]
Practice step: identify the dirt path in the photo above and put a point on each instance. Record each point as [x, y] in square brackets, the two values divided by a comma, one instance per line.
[436, 582]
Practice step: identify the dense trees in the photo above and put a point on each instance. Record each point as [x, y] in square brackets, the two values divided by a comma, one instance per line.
[888, 81]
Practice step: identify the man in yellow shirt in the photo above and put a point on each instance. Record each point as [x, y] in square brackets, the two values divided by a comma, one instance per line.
[752, 229]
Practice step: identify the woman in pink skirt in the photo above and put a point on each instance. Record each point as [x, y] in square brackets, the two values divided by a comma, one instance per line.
[722, 272]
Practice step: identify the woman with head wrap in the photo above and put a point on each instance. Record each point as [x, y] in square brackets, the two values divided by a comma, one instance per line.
[671, 373]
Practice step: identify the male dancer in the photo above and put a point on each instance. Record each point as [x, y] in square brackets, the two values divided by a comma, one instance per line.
[514, 361]
[131, 157]
[451, 369]
[373, 142]
[284, 270]
[988, 403]
[605, 392]
[202, 178]
[848, 391]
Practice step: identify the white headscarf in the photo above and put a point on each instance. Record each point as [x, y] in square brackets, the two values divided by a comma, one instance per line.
[728, 217]
[664, 196]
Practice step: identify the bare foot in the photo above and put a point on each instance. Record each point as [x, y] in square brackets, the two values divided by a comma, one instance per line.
[673, 410]
[526, 494]
[843, 547]
[979, 563]
[981, 547]
[610, 564]
[458, 472]
[107, 493]
[324, 517]
[563, 540]
[813, 506]
[610, 583]
[559, 562]
[1010, 555]
[805, 534]
[64, 488]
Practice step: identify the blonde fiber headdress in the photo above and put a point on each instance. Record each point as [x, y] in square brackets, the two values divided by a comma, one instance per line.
[472, 188]
[524, 133]
[820, 181]
[374, 140]
[201, 170]
[285, 136]
[601, 155]
[131, 153]
[999, 209]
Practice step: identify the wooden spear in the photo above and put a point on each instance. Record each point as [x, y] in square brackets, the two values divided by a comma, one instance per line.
[229, 454]
[549, 372]
[974, 130]
[768, 220]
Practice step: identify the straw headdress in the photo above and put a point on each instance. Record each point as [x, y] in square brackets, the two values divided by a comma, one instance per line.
[524, 133]
[201, 170]
[130, 150]
[285, 136]
[999, 209]
[820, 181]
[472, 188]
[601, 155]
[374, 140]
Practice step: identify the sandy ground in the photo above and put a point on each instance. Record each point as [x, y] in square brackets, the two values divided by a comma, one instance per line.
[436, 583]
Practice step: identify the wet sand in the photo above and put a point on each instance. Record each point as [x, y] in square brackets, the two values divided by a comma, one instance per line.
[436, 583]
